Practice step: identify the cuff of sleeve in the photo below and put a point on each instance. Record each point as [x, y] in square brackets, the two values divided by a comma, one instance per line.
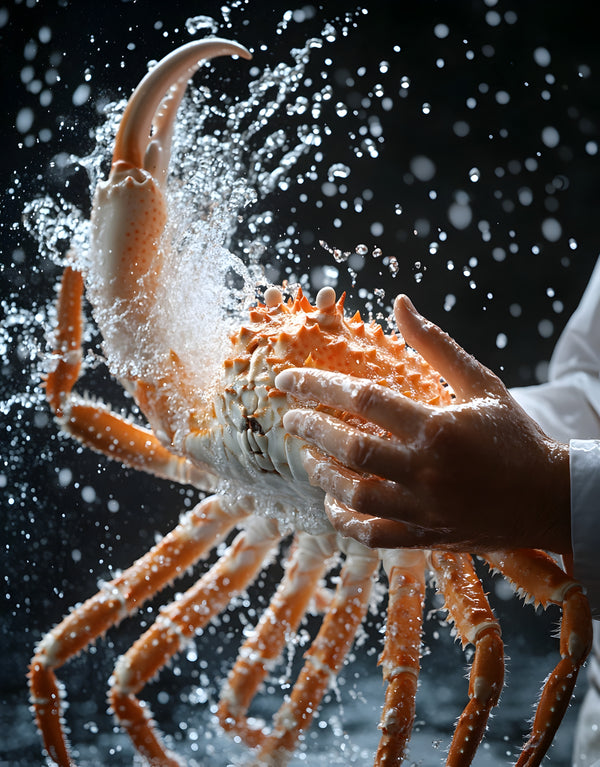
[584, 462]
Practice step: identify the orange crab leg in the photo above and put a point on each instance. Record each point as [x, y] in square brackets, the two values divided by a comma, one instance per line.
[67, 342]
[400, 657]
[280, 620]
[198, 532]
[325, 656]
[92, 423]
[537, 575]
[475, 623]
[179, 622]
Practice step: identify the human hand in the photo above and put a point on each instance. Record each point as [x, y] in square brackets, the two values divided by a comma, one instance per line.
[476, 475]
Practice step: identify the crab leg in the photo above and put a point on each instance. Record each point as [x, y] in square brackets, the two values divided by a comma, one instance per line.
[537, 575]
[326, 654]
[207, 524]
[475, 623]
[92, 423]
[279, 621]
[400, 657]
[179, 622]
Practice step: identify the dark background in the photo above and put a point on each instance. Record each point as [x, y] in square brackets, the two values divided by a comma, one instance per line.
[509, 305]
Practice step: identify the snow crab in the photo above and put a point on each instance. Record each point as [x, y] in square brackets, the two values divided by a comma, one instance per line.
[231, 443]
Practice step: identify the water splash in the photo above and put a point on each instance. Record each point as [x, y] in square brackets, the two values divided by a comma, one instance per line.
[229, 152]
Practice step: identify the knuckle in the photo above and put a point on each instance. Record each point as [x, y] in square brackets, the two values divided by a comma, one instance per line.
[363, 396]
[358, 451]
[362, 497]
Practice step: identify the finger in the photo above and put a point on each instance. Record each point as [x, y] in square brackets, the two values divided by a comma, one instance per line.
[361, 451]
[374, 532]
[365, 494]
[359, 396]
[467, 376]
[380, 533]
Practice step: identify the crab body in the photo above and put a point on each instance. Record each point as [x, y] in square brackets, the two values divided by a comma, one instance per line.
[228, 439]
[243, 437]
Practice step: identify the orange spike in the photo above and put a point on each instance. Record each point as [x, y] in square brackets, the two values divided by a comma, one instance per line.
[356, 317]
[304, 304]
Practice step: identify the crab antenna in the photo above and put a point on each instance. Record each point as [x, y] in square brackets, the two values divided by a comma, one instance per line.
[141, 110]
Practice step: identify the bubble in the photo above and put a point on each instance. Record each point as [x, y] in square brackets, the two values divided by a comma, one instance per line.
[441, 31]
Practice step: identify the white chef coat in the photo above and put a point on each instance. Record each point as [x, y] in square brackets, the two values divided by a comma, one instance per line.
[568, 409]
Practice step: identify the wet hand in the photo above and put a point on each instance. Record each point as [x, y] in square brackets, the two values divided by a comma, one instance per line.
[478, 474]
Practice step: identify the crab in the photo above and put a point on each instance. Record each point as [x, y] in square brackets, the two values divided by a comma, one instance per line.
[230, 442]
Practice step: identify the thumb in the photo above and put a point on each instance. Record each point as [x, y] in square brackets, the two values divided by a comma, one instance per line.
[468, 377]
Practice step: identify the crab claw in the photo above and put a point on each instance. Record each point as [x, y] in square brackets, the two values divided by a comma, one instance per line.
[129, 210]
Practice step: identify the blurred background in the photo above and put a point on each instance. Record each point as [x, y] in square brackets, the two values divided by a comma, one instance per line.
[454, 157]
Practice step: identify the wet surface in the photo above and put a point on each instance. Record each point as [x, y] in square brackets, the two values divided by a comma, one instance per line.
[458, 163]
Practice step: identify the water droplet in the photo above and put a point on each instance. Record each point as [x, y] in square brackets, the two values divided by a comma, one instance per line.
[197, 24]
[422, 167]
[338, 170]
[550, 136]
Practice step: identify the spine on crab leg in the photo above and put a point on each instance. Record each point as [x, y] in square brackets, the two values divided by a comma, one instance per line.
[199, 531]
[475, 623]
[400, 659]
[536, 576]
[176, 625]
[278, 623]
[325, 656]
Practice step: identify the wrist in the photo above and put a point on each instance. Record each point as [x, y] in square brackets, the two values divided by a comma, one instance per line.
[557, 535]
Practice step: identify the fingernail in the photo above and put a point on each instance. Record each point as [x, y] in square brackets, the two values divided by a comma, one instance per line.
[291, 421]
[405, 301]
[285, 380]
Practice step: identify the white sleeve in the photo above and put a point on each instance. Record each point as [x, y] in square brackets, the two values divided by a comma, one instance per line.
[568, 409]
[568, 406]
[585, 515]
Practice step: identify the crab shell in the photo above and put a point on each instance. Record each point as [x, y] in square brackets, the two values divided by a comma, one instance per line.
[243, 438]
